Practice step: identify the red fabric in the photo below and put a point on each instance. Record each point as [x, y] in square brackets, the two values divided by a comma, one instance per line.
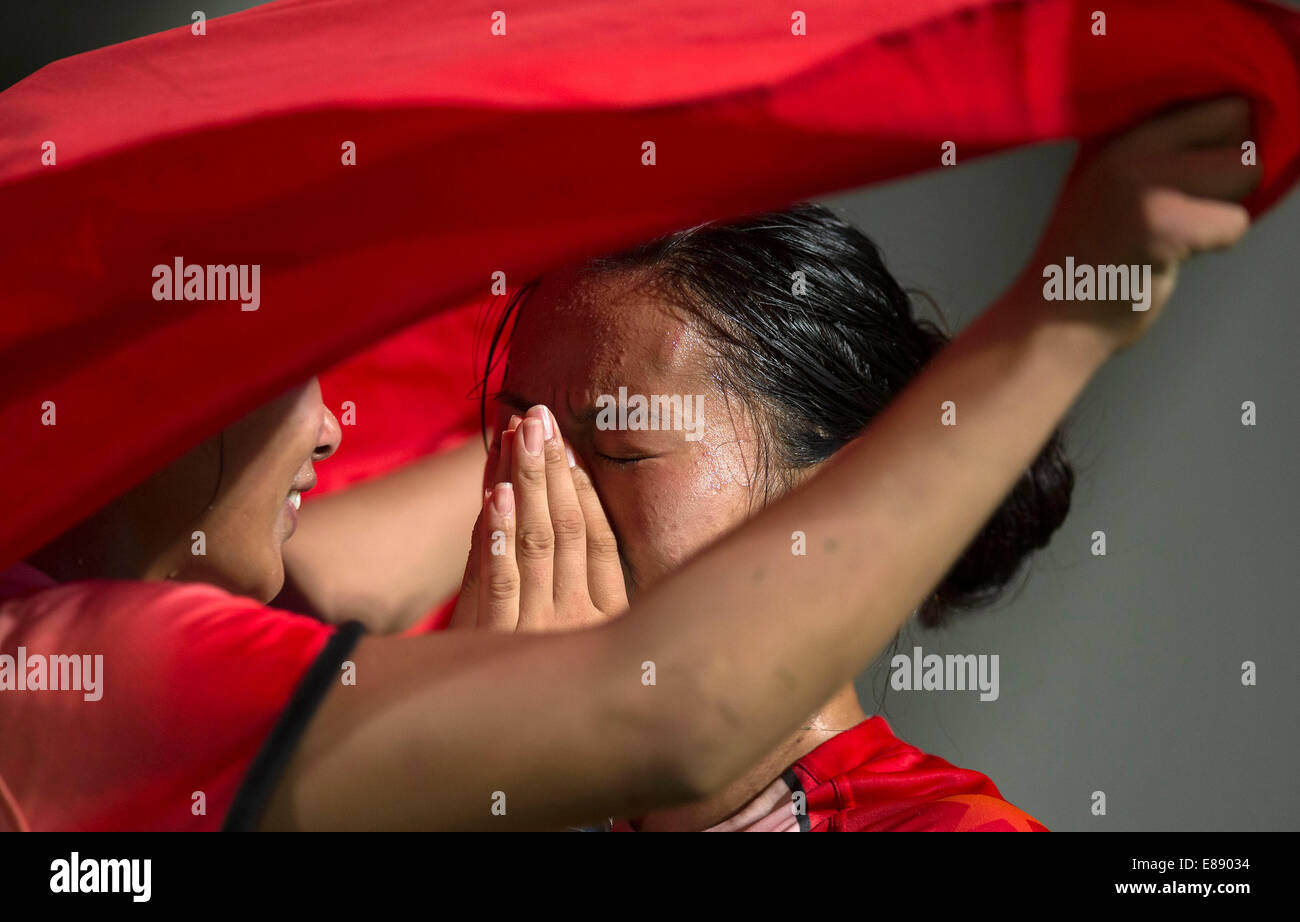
[478, 153]
[436, 620]
[412, 395]
[868, 780]
[193, 680]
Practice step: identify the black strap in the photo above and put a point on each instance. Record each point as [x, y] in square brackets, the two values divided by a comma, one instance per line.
[264, 773]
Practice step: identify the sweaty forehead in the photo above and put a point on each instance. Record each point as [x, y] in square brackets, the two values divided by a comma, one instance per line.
[585, 333]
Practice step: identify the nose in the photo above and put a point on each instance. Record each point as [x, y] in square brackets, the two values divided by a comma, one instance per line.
[331, 434]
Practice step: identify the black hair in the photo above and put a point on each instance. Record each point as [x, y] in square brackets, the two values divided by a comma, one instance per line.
[813, 334]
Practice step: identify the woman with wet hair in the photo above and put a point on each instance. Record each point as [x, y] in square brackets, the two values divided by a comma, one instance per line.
[789, 329]
[798, 337]
[814, 361]
[218, 710]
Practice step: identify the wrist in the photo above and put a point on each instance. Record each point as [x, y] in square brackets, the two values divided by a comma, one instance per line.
[1068, 336]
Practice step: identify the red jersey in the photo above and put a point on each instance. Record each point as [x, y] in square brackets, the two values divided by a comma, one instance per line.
[866, 779]
[151, 705]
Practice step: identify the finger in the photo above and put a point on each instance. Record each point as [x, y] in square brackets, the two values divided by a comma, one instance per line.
[499, 467]
[1213, 123]
[493, 462]
[465, 614]
[534, 540]
[1199, 225]
[570, 574]
[501, 472]
[498, 603]
[604, 568]
[1213, 172]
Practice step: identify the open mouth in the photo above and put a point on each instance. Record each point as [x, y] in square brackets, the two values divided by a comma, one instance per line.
[300, 486]
[293, 502]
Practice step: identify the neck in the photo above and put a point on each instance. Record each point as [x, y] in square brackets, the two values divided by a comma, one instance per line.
[70, 558]
[105, 546]
[841, 713]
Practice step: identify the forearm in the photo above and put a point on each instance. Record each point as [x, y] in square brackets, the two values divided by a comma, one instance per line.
[386, 551]
[745, 641]
[440, 728]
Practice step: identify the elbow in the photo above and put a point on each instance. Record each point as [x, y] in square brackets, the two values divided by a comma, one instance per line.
[704, 769]
[678, 739]
[691, 754]
[674, 772]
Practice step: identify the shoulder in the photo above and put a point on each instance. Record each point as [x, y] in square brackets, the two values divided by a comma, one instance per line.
[867, 779]
[184, 678]
[153, 618]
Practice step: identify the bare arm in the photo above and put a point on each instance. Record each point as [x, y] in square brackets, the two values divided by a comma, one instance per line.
[437, 724]
[385, 551]
[747, 639]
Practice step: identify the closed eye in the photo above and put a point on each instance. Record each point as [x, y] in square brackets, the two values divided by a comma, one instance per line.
[622, 461]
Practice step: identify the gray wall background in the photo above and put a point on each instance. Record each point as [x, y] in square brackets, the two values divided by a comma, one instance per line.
[1120, 673]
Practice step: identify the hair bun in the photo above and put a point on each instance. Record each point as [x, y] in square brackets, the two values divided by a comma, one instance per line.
[1025, 522]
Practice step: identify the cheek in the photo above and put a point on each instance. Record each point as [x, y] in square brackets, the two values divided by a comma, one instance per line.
[232, 557]
[246, 533]
[665, 515]
[245, 529]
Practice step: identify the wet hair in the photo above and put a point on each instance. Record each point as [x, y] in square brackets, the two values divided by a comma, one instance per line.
[813, 335]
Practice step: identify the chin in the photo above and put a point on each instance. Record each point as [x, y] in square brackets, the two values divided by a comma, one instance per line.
[262, 582]
[269, 586]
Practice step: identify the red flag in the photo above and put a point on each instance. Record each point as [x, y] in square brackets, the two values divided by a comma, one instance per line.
[478, 152]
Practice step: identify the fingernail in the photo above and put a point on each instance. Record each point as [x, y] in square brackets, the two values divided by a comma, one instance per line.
[515, 420]
[532, 436]
[540, 412]
[503, 499]
[568, 450]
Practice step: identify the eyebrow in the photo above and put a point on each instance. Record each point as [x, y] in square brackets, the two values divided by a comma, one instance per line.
[518, 401]
[514, 400]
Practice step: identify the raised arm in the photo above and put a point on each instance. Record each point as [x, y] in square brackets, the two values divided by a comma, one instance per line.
[561, 724]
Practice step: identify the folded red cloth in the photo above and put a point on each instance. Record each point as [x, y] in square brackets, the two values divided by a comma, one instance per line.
[478, 152]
